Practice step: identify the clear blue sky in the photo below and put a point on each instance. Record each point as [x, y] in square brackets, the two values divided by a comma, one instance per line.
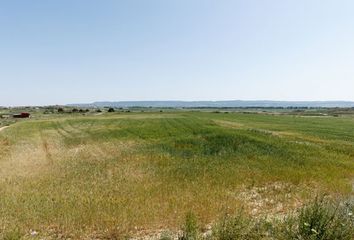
[70, 51]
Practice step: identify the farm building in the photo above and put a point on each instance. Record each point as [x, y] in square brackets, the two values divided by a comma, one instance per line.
[22, 115]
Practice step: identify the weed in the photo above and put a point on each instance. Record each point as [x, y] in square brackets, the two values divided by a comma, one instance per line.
[240, 227]
[166, 236]
[190, 228]
[322, 219]
[12, 234]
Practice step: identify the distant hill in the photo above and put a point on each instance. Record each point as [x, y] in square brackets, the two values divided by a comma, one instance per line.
[219, 104]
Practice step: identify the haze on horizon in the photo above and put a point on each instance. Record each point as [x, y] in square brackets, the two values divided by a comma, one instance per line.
[81, 51]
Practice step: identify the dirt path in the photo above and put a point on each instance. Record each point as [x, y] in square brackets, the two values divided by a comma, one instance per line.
[3, 128]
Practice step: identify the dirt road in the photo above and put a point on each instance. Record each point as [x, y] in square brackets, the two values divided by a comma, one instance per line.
[3, 128]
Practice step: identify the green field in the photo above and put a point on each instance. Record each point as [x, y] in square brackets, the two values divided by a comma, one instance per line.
[130, 173]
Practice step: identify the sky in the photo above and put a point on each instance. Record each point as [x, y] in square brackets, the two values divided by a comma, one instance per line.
[80, 51]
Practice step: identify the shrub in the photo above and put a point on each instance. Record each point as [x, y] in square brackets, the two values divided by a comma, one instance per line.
[111, 110]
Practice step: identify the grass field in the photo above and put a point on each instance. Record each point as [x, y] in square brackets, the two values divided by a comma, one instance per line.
[134, 172]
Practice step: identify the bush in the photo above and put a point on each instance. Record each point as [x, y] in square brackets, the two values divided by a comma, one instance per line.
[111, 110]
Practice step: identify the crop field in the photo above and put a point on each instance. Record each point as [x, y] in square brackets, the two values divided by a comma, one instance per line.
[136, 173]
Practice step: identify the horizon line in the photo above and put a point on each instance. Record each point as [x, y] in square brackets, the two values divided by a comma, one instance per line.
[186, 101]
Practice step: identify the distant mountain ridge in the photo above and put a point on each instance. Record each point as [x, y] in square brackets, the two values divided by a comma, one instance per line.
[218, 104]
